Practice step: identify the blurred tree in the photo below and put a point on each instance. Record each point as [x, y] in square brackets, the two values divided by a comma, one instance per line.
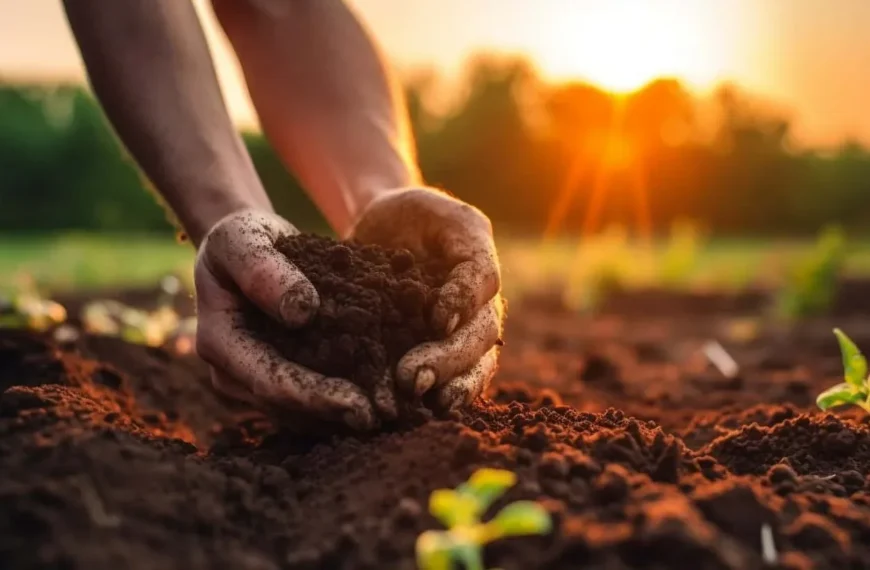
[487, 150]
[659, 114]
[753, 165]
[527, 152]
[61, 168]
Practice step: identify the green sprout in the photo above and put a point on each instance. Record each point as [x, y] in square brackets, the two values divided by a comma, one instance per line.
[681, 254]
[811, 286]
[856, 389]
[605, 280]
[460, 511]
[28, 310]
[138, 326]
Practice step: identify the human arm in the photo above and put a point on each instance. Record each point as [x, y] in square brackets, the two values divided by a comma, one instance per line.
[149, 65]
[334, 113]
[325, 99]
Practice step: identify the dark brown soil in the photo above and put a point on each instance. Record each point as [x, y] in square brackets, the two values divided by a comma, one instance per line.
[375, 305]
[118, 456]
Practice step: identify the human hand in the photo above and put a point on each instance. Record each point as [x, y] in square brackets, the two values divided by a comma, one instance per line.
[237, 263]
[469, 309]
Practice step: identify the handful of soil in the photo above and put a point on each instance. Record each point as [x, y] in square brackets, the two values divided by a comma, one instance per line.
[375, 305]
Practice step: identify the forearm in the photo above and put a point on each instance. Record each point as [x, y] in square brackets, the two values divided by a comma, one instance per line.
[325, 98]
[149, 65]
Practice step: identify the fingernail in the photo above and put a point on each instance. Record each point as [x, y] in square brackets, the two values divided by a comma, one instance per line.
[425, 379]
[357, 420]
[451, 324]
[298, 304]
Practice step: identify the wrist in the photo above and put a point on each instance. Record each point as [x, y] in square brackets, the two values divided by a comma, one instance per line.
[211, 207]
[367, 190]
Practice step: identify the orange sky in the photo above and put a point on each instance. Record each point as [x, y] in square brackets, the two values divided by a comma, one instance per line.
[811, 55]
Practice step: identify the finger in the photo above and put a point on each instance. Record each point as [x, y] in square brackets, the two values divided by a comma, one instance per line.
[469, 286]
[384, 397]
[231, 388]
[464, 389]
[243, 249]
[433, 363]
[271, 378]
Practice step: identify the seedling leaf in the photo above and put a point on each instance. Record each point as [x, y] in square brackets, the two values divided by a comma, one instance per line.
[469, 554]
[434, 551]
[452, 508]
[854, 363]
[486, 485]
[521, 518]
[838, 395]
[460, 511]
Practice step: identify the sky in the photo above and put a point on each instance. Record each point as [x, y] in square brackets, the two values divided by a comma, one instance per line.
[812, 57]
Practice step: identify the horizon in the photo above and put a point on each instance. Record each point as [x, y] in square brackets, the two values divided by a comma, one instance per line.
[782, 54]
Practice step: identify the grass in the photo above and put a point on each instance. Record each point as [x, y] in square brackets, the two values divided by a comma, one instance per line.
[719, 263]
[89, 261]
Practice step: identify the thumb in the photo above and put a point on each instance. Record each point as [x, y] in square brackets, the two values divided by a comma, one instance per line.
[242, 249]
[299, 302]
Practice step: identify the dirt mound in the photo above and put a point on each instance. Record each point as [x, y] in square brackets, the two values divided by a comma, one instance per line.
[375, 305]
[120, 456]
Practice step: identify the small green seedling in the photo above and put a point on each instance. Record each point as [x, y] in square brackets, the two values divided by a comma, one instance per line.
[812, 284]
[28, 310]
[460, 510]
[137, 326]
[681, 254]
[856, 389]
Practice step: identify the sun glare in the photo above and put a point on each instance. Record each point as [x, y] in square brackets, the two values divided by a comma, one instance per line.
[621, 45]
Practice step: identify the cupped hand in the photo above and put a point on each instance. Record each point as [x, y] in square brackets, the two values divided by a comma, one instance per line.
[469, 309]
[236, 265]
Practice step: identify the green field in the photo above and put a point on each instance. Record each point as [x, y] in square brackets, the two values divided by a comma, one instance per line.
[76, 261]
[81, 261]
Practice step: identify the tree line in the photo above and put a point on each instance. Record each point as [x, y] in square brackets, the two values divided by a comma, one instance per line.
[535, 156]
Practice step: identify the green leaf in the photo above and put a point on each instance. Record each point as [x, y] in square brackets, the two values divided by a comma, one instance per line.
[519, 519]
[854, 363]
[434, 551]
[453, 508]
[486, 485]
[469, 555]
[839, 395]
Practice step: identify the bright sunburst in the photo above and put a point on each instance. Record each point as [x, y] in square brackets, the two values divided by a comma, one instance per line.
[623, 44]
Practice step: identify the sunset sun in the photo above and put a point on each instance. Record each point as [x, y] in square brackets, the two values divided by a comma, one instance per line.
[621, 45]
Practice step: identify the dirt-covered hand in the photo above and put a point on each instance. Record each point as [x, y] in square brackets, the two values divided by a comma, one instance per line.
[237, 264]
[468, 310]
